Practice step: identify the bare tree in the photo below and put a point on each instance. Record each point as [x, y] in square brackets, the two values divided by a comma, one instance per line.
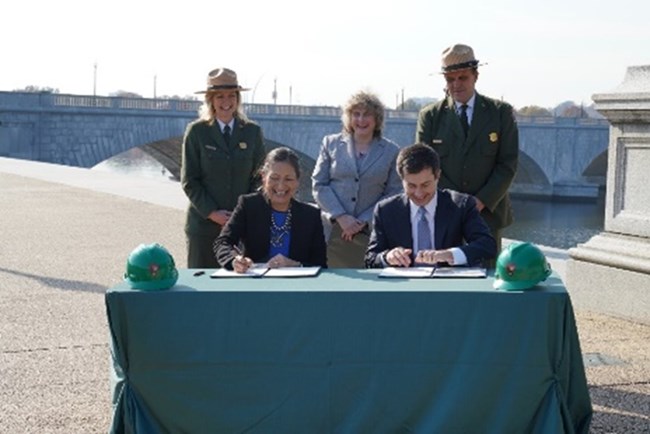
[534, 110]
[37, 89]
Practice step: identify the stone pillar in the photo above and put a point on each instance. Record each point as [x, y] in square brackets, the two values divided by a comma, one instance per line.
[611, 271]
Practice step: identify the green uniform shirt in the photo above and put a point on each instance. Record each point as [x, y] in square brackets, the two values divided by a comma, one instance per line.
[485, 163]
[214, 175]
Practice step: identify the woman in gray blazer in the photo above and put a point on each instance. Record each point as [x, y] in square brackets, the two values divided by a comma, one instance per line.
[355, 169]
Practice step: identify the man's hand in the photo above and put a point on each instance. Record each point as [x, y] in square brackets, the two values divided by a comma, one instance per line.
[399, 257]
[479, 205]
[220, 217]
[434, 256]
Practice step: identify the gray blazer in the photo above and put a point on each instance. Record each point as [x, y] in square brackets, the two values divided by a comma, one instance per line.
[340, 188]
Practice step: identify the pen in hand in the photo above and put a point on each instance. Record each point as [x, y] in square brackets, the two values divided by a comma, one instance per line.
[241, 263]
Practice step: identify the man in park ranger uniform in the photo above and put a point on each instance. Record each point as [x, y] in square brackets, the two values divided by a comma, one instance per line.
[476, 137]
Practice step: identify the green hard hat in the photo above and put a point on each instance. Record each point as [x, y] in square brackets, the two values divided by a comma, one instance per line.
[150, 267]
[520, 266]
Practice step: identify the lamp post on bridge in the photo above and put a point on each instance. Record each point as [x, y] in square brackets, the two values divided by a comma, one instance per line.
[275, 91]
[95, 79]
[255, 87]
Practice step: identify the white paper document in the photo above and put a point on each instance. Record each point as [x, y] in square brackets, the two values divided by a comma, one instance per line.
[475, 272]
[292, 272]
[407, 272]
[262, 270]
[440, 272]
[257, 270]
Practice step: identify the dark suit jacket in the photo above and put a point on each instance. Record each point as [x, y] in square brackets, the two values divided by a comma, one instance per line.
[251, 223]
[483, 164]
[457, 224]
[213, 174]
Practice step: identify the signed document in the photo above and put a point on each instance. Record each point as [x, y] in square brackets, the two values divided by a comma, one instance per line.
[451, 272]
[407, 272]
[292, 272]
[257, 270]
[428, 272]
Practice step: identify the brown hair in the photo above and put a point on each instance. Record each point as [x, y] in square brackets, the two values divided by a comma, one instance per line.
[416, 158]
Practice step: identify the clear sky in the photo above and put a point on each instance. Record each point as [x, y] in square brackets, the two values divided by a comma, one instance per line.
[538, 52]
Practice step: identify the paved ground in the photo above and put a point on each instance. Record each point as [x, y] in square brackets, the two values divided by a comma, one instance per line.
[63, 244]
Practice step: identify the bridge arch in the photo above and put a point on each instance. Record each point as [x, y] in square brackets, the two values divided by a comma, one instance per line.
[596, 170]
[168, 154]
[530, 178]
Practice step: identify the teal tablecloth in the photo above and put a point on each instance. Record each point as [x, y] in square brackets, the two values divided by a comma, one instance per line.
[346, 352]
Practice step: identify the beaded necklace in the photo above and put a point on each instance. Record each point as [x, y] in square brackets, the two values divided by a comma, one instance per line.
[278, 232]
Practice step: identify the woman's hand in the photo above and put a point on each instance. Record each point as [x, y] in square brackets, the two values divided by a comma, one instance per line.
[220, 217]
[241, 263]
[350, 226]
[279, 261]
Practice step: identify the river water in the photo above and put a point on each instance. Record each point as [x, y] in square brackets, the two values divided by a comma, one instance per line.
[556, 224]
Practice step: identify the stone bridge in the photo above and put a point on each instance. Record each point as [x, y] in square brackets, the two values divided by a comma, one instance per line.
[564, 157]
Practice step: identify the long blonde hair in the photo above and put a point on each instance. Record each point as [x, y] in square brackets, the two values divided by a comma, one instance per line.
[207, 112]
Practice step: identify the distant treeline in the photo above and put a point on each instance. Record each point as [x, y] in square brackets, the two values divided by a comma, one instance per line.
[567, 109]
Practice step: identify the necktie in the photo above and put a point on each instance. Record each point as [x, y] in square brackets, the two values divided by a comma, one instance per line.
[226, 134]
[424, 232]
[463, 118]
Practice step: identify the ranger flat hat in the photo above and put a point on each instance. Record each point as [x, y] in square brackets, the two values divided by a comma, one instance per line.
[222, 79]
[457, 57]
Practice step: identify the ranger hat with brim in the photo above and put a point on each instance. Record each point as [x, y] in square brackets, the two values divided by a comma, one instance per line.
[222, 79]
[458, 57]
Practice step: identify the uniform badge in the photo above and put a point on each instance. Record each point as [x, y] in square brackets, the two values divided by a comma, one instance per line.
[243, 145]
[494, 137]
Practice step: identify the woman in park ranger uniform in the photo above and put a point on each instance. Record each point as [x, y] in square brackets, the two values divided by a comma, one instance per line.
[222, 152]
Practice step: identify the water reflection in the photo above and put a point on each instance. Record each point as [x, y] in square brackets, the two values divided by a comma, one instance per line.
[556, 224]
[134, 162]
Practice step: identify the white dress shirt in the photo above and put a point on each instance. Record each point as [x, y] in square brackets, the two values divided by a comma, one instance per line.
[470, 108]
[222, 125]
[457, 253]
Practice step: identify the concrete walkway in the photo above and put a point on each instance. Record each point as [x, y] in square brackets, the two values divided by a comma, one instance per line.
[65, 235]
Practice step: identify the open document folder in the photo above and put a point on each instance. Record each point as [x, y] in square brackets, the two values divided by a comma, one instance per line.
[428, 272]
[262, 270]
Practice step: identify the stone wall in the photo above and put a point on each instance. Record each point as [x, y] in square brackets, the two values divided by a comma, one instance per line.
[614, 265]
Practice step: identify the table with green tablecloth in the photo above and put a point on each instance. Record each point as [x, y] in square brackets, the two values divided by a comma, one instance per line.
[345, 352]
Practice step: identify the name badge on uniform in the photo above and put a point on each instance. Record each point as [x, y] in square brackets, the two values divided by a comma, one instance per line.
[436, 141]
[212, 148]
[243, 145]
[494, 137]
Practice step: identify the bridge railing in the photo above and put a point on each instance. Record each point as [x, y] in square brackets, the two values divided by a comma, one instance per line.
[22, 100]
[558, 120]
